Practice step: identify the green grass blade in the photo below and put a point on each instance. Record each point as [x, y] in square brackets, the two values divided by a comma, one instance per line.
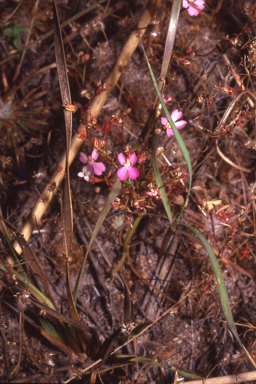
[222, 289]
[25, 281]
[176, 134]
[159, 181]
[7, 234]
[144, 360]
[50, 329]
[116, 189]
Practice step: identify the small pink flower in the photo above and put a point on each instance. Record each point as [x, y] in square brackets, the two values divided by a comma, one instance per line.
[92, 167]
[133, 173]
[142, 157]
[175, 115]
[166, 99]
[155, 193]
[193, 6]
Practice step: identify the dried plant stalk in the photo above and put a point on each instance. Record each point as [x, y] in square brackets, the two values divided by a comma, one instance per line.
[122, 60]
[239, 378]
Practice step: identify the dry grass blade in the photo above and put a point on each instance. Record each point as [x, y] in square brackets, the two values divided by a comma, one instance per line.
[66, 203]
[67, 219]
[229, 161]
[127, 300]
[59, 344]
[65, 95]
[171, 34]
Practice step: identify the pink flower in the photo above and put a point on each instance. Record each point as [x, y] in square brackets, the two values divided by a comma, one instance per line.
[194, 6]
[92, 167]
[133, 173]
[166, 99]
[155, 193]
[175, 115]
[142, 157]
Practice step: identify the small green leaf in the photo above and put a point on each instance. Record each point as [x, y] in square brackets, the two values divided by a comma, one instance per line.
[17, 42]
[8, 32]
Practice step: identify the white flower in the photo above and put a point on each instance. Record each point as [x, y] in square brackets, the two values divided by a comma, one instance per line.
[85, 173]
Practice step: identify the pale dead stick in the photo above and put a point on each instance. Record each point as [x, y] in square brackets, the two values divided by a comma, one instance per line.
[238, 378]
[122, 60]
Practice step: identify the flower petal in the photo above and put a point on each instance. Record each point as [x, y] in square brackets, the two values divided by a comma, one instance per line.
[176, 115]
[94, 155]
[180, 124]
[83, 158]
[164, 121]
[98, 168]
[192, 11]
[121, 159]
[169, 132]
[133, 158]
[133, 173]
[122, 173]
[85, 173]
[200, 4]
[89, 168]
[185, 4]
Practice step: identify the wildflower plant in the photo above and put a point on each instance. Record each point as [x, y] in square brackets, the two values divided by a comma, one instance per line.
[14, 33]
[142, 178]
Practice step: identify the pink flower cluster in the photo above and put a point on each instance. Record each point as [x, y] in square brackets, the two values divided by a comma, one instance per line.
[175, 115]
[193, 6]
[92, 167]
